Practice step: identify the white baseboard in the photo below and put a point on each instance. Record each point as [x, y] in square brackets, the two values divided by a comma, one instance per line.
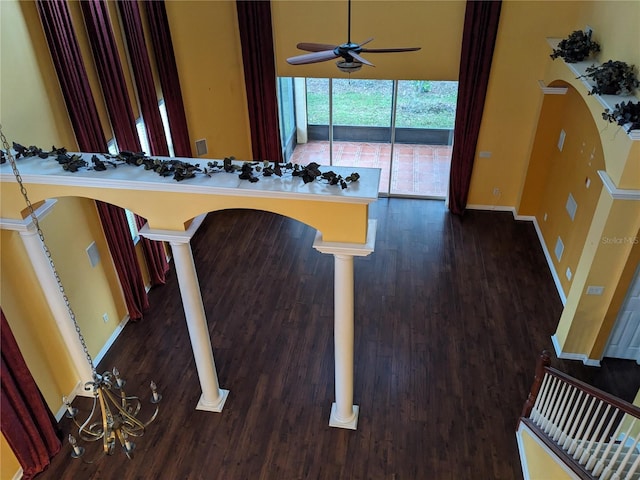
[492, 208]
[18, 475]
[589, 362]
[552, 268]
[547, 255]
[105, 348]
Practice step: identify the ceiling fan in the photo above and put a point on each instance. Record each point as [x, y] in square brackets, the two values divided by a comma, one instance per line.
[349, 52]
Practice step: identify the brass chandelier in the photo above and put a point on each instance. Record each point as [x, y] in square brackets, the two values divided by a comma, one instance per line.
[114, 414]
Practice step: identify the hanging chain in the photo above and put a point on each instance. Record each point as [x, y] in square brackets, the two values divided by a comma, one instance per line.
[34, 218]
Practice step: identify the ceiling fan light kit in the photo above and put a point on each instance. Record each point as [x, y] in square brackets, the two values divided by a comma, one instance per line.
[348, 67]
[351, 60]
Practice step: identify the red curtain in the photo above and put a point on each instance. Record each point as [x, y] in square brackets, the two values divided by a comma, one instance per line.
[139, 57]
[478, 40]
[116, 231]
[67, 60]
[80, 104]
[105, 55]
[168, 75]
[107, 61]
[256, 36]
[26, 421]
[156, 257]
[141, 67]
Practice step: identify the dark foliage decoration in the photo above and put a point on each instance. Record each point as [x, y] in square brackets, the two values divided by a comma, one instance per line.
[624, 113]
[178, 169]
[612, 78]
[576, 47]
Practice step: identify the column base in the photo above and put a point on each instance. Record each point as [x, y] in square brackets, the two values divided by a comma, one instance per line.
[213, 407]
[352, 424]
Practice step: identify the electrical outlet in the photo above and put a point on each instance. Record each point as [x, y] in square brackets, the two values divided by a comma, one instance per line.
[105, 318]
[496, 192]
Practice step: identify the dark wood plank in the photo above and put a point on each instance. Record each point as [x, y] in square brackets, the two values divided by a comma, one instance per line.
[451, 315]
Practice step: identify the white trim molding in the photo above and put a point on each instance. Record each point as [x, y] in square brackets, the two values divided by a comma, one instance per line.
[615, 192]
[552, 90]
[589, 362]
[173, 236]
[354, 249]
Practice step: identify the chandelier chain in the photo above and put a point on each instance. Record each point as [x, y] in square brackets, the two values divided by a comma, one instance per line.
[34, 218]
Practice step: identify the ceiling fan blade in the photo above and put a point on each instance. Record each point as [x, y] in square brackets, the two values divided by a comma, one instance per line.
[359, 58]
[315, 47]
[390, 50]
[366, 41]
[312, 57]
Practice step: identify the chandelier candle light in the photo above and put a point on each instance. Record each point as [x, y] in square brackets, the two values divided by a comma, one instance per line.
[114, 414]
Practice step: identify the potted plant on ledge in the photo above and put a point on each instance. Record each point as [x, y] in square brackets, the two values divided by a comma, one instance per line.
[624, 113]
[612, 78]
[576, 47]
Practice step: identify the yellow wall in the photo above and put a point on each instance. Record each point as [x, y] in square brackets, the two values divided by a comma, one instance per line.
[9, 464]
[513, 97]
[541, 465]
[32, 109]
[566, 173]
[206, 43]
[435, 26]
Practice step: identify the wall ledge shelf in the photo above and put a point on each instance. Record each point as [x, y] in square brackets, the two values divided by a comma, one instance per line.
[607, 101]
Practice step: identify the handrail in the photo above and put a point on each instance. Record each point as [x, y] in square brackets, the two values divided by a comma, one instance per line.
[593, 432]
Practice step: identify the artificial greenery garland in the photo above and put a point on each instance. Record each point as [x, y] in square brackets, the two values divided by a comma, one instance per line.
[181, 170]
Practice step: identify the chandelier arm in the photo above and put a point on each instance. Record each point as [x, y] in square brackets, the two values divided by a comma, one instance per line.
[82, 428]
[124, 414]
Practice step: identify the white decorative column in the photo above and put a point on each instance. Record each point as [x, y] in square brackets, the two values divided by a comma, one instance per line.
[344, 414]
[213, 397]
[46, 277]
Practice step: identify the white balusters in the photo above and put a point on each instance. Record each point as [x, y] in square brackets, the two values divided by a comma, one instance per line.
[602, 442]
[571, 393]
[557, 409]
[581, 424]
[586, 454]
[574, 424]
[537, 406]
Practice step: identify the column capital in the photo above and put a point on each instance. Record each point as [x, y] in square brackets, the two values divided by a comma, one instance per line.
[25, 225]
[351, 249]
[173, 236]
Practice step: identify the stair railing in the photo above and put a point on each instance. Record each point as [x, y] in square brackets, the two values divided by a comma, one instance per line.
[594, 433]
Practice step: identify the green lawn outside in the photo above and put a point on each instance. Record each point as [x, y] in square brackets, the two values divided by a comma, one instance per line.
[421, 104]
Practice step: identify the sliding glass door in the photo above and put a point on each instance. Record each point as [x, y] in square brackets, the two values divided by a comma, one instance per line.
[405, 128]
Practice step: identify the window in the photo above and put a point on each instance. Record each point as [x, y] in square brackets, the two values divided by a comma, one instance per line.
[165, 124]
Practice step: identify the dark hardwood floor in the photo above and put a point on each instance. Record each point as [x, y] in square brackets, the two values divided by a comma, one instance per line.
[451, 314]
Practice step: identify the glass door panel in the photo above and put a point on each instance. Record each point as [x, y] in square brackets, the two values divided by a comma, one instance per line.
[425, 116]
[362, 124]
[287, 116]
